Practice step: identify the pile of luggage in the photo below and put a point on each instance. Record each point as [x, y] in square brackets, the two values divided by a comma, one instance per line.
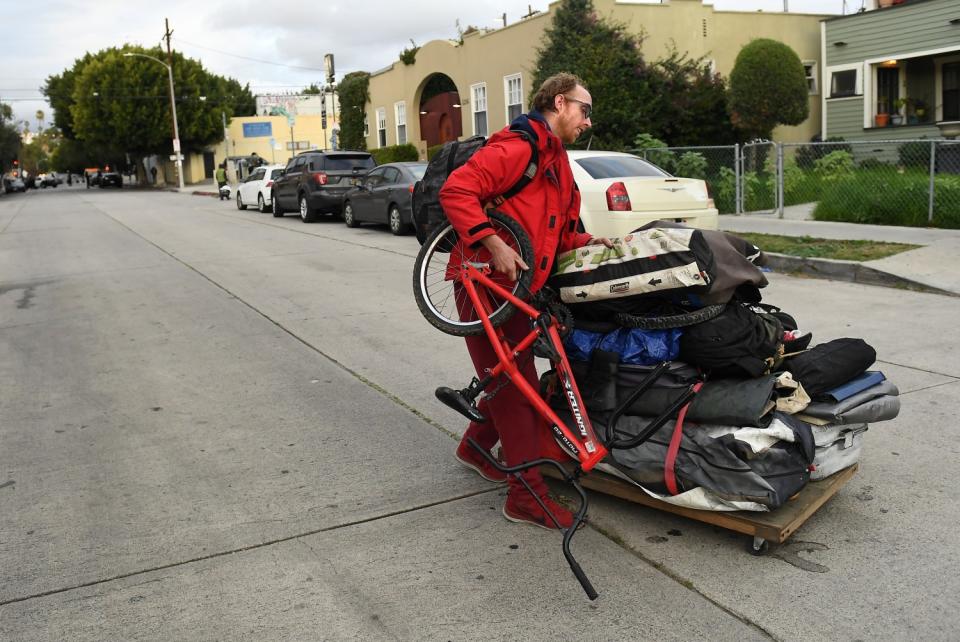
[772, 411]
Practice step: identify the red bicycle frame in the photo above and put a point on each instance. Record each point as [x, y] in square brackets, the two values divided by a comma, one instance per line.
[583, 442]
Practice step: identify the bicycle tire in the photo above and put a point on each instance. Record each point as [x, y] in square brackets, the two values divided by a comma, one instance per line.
[666, 322]
[437, 297]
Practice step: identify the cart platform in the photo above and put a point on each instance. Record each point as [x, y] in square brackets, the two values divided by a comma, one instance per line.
[772, 527]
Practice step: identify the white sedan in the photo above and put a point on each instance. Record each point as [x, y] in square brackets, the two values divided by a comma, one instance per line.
[256, 188]
[621, 192]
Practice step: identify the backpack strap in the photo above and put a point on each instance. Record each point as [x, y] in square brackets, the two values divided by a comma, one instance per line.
[452, 157]
[528, 174]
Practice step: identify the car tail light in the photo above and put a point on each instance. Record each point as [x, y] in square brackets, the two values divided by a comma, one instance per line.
[617, 198]
[410, 188]
[710, 202]
[321, 178]
[269, 183]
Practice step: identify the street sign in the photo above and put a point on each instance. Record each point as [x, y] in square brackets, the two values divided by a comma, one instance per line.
[174, 157]
[176, 146]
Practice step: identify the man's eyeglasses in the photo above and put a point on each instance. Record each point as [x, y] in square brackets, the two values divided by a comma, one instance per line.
[586, 108]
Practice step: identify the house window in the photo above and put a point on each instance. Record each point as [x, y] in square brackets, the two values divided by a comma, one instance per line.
[479, 102]
[843, 83]
[888, 89]
[400, 113]
[366, 125]
[381, 127]
[513, 91]
[810, 71]
[950, 94]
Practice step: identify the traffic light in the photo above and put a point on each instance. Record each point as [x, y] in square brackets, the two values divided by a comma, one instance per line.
[16, 163]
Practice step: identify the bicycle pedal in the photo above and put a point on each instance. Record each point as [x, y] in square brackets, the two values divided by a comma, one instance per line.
[458, 401]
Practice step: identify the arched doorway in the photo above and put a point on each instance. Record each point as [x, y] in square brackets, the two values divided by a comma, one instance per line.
[440, 119]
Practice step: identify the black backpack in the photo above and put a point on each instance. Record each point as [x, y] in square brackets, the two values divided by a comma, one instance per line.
[743, 340]
[427, 212]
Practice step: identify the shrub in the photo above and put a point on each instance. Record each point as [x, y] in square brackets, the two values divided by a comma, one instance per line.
[914, 154]
[654, 150]
[724, 189]
[834, 165]
[409, 55]
[891, 199]
[808, 154]
[395, 154]
[431, 151]
[691, 165]
[874, 163]
[768, 87]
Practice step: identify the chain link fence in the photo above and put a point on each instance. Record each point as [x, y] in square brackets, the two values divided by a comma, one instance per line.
[904, 182]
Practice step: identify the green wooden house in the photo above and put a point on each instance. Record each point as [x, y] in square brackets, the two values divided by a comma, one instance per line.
[892, 73]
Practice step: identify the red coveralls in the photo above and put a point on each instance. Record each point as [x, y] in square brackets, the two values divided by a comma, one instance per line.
[548, 208]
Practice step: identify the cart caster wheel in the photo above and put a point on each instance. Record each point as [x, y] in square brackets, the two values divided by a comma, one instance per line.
[758, 546]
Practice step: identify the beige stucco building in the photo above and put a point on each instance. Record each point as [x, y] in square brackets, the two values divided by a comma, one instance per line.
[492, 69]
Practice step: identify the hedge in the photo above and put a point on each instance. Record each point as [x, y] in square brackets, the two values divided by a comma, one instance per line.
[395, 154]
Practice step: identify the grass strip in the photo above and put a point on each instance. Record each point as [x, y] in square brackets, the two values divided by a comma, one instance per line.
[808, 247]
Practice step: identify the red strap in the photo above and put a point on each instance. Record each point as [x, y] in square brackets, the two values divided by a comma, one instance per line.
[670, 463]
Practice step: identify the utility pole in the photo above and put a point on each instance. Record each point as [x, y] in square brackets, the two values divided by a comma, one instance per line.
[173, 104]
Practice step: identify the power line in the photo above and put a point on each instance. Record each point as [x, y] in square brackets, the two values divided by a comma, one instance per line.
[266, 62]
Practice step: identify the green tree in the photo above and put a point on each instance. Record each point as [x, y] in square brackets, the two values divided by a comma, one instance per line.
[312, 90]
[9, 138]
[768, 87]
[607, 58]
[354, 93]
[112, 102]
[692, 102]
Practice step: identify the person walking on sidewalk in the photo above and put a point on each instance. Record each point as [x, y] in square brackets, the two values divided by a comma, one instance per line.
[548, 208]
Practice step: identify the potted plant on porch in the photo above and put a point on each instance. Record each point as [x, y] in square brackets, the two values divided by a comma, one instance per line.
[896, 118]
[882, 118]
[920, 111]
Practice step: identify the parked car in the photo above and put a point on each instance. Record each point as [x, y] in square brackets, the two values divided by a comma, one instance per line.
[110, 179]
[257, 187]
[48, 180]
[314, 182]
[384, 196]
[621, 192]
[13, 184]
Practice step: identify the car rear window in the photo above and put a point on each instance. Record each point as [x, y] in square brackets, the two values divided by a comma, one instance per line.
[275, 173]
[334, 163]
[619, 167]
[418, 171]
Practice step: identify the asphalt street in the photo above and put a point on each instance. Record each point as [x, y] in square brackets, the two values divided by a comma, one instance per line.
[215, 425]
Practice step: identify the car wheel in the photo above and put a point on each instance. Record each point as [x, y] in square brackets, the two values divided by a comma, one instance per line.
[240, 205]
[275, 205]
[348, 217]
[306, 214]
[396, 222]
[261, 204]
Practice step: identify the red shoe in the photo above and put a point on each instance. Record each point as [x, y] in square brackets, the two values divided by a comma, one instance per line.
[521, 507]
[469, 457]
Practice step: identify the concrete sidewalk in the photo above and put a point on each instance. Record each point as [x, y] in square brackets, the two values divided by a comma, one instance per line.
[926, 268]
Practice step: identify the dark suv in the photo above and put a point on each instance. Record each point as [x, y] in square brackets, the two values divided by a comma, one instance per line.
[315, 182]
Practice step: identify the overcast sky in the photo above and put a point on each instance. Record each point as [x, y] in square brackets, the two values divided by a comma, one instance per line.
[46, 38]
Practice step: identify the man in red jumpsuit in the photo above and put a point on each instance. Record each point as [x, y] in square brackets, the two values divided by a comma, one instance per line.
[548, 208]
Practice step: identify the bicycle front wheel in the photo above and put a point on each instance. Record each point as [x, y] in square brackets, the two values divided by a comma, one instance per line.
[443, 301]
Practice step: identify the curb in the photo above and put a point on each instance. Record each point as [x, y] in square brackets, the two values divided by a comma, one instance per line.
[850, 271]
[201, 193]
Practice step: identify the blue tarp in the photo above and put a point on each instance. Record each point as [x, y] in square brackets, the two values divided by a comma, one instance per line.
[635, 346]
